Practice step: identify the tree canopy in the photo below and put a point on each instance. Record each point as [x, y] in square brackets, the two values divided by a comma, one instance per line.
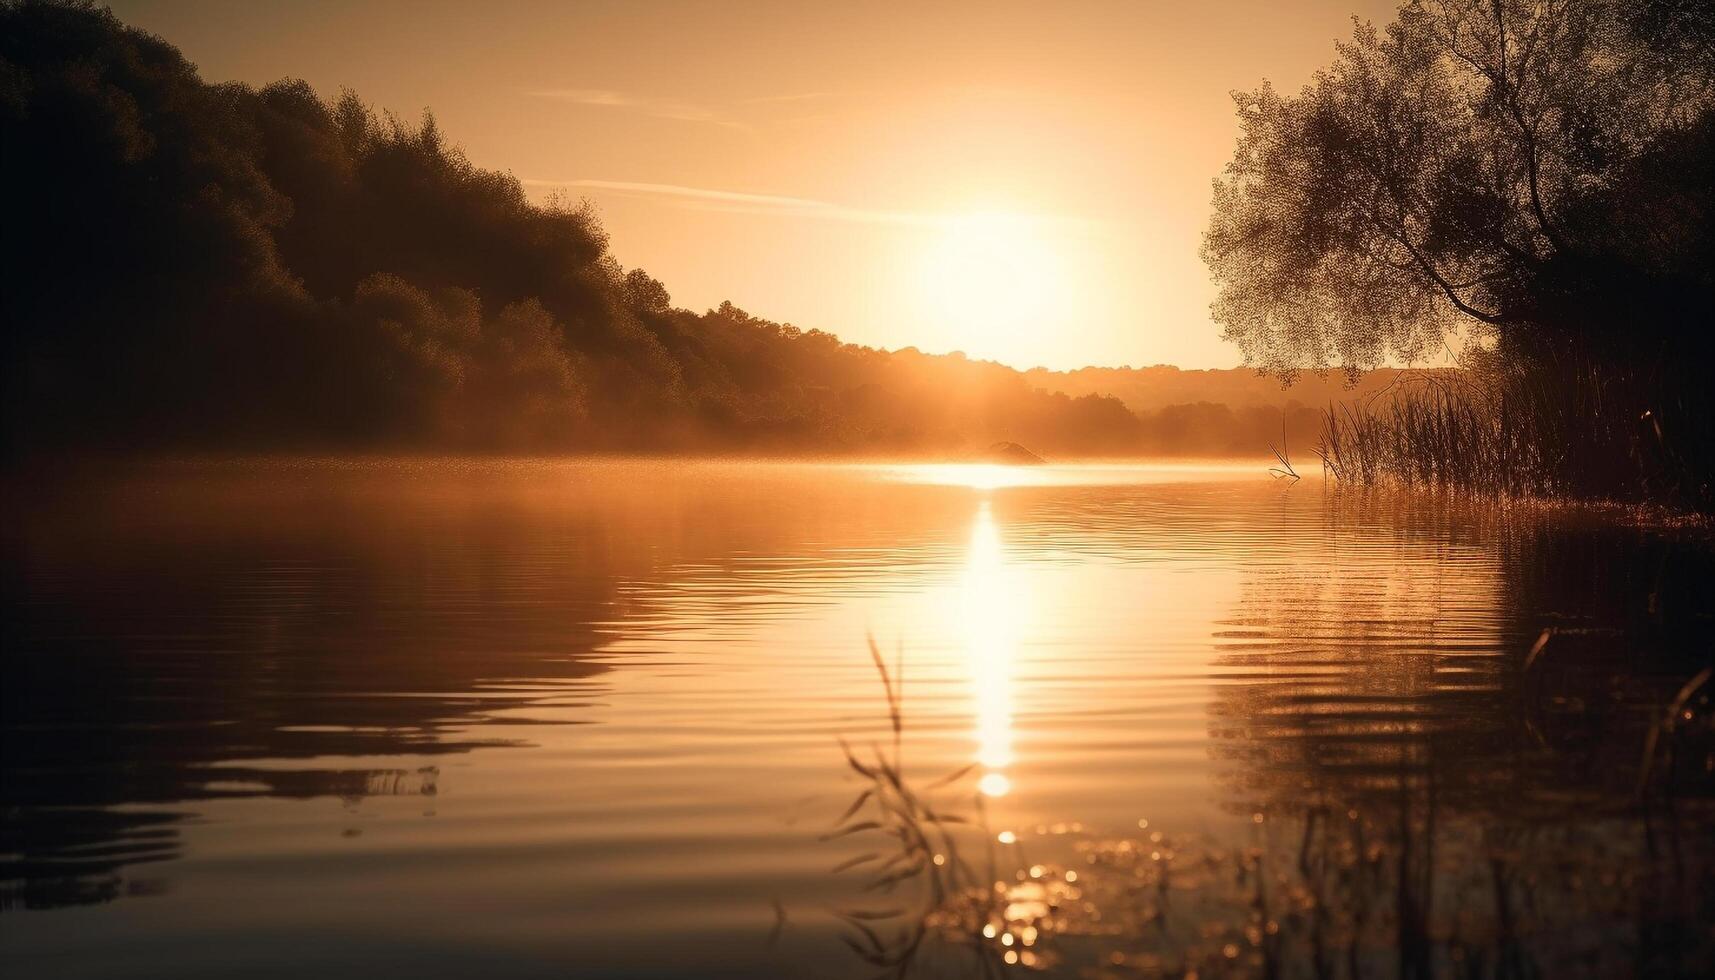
[1532, 175]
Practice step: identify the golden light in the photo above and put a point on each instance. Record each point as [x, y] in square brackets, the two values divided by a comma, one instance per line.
[985, 274]
[977, 476]
[991, 605]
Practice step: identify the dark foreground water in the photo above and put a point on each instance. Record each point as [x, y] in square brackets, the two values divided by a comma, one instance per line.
[449, 718]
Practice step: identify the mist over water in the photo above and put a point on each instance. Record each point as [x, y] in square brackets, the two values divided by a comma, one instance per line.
[584, 714]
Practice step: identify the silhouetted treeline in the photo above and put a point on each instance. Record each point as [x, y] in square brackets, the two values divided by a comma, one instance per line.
[189, 265]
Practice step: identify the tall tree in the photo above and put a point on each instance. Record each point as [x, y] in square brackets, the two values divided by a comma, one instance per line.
[1533, 174]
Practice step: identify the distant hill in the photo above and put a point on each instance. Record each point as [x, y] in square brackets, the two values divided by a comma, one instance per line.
[1150, 389]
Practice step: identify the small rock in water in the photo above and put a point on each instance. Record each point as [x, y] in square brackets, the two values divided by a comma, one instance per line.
[1011, 453]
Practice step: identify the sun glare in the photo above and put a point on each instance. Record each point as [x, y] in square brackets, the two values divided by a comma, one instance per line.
[990, 273]
[991, 601]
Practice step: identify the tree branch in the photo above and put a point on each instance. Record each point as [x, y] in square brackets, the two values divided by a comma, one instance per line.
[1509, 98]
[1435, 275]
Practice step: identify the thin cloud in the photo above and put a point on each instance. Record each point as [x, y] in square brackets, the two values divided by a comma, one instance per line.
[741, 202]
[658, 108]
[783, 206]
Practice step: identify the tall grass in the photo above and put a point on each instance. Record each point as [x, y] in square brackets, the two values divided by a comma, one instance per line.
[1572, 429]
[916, 865]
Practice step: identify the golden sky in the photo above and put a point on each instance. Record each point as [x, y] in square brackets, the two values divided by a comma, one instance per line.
[1023, 182]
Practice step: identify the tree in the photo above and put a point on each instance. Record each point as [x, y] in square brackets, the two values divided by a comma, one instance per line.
[1532, 174]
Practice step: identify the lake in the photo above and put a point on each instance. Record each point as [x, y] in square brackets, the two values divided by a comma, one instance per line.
[275, 718]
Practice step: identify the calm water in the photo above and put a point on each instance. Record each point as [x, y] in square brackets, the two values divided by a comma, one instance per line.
[446, 718]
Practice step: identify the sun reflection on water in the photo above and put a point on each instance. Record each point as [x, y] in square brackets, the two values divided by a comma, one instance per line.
[977, 476]
[992, 607]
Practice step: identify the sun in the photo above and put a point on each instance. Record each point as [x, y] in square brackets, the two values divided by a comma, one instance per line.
[990, 278]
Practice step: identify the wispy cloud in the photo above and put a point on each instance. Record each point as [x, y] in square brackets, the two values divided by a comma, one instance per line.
[711, 199]
[658, 108]
[784, 206]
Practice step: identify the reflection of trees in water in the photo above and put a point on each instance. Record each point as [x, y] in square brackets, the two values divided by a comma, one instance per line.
[162, 651]
[73, 856]
[186, 632]
[1381, 703]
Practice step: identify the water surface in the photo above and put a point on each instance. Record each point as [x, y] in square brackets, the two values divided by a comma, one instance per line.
[443, 717]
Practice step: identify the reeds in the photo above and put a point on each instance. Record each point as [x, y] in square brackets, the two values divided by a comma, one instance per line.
[1574, 430]
[917, 857]
[1437, 438]
[1284, 471]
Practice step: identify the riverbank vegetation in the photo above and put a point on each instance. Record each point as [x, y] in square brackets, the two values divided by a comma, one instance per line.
[1519, 429]
[1525, 185]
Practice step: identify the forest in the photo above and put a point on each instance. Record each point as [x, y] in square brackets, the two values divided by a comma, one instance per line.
[196, 266]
